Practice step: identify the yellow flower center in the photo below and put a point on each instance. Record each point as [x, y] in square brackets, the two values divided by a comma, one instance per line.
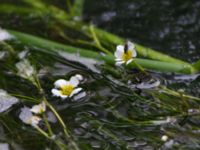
[67, 89]
[41, 110]
[127, 56]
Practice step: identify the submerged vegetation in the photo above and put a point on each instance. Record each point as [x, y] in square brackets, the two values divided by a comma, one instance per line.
[67, 84]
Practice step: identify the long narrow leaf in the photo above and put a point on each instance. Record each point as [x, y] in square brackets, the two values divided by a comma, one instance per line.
[148, 64]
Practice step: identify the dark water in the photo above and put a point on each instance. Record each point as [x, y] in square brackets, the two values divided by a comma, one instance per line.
[172, 26]
[113, 115]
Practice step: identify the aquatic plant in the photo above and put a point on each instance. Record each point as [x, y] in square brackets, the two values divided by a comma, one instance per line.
[125, 107]
[125, 54]
[62, 20]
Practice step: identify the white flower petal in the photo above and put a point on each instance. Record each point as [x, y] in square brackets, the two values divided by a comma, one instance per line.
[63, 96]
[129, 61]
[25, 114]
[34, 121]
[77, 90]
[74, 81]
[131, 46]
[38, 109]
[25, 69]
[60, 83]
[56, 92]
[119, 51]
[119, 63]
[120, 48]
[134, 53]
[118, 59]
[27, 117]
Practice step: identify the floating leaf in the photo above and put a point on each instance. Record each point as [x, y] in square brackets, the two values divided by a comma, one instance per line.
[26, 70]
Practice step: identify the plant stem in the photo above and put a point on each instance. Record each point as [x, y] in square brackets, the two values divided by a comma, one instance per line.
[58, 117]
[7, 47]
[56, 114]
[27, 39]
[57, 142]
[48, 125]
[174, 93]
[69, 6]
[139, 66]
[65, 19]
[26, 97]
[115, 40]
[63, 125]
[42, 132]
[78, 8]
[96, 40]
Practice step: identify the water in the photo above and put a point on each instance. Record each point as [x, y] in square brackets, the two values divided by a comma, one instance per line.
[115, 113]
[169, 26]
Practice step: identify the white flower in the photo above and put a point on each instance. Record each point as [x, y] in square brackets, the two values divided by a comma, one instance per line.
[39, 109]
[27, 117]
[34, 120]
[65, 89]
[25, 69]
[4, 35]
[125, 53]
